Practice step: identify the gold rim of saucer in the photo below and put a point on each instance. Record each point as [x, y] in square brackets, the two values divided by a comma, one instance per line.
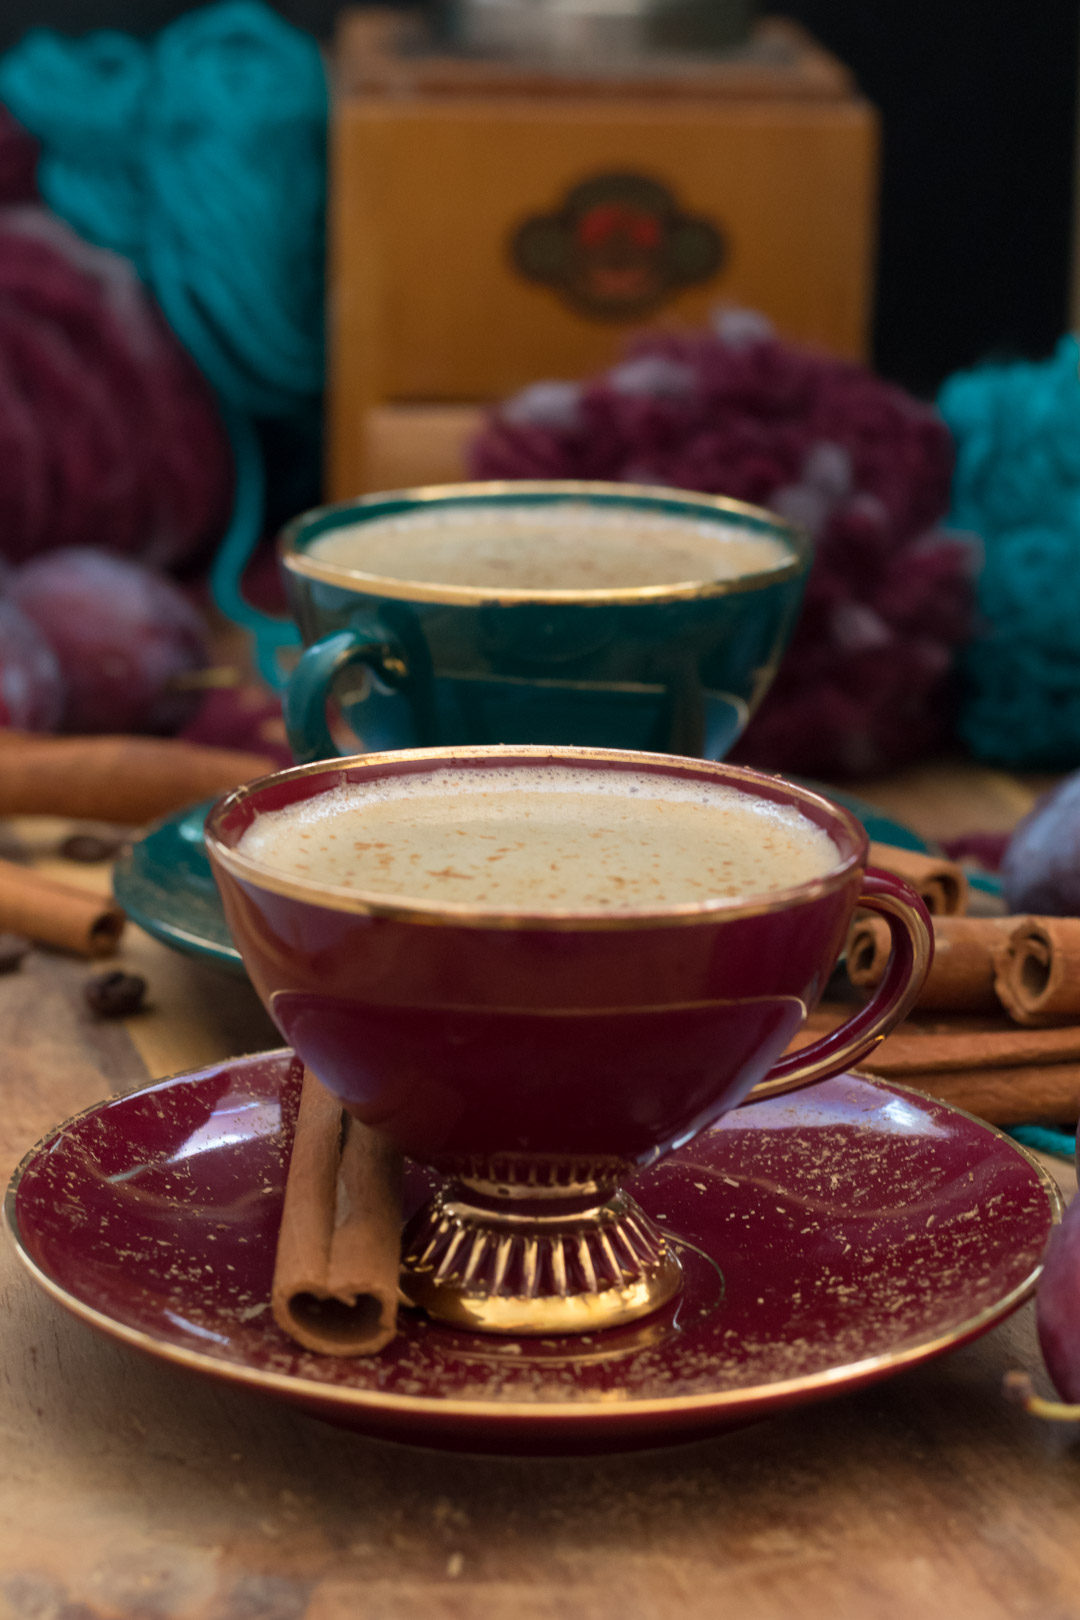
[608, 1413]
[457, 914]
[295, 558]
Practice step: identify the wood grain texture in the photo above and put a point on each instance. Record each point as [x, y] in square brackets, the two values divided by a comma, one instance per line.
[132, 1491]
[942, 799]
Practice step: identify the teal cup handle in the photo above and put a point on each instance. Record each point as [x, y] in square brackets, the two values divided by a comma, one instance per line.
[311, 684]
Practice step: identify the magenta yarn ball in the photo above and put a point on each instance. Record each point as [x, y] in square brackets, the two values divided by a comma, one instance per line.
[18, 162]
[109, 437]
[865, 467]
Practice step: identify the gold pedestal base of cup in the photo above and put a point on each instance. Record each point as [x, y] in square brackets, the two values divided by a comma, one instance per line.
[536, 1265]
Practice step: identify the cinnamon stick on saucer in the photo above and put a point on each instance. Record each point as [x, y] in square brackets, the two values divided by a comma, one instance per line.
[57, 913]
[335, 1287]
[1038, 970]
[130, 780]
[941, 885]
[961, 976]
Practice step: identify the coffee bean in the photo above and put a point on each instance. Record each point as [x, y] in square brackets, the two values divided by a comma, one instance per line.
[90, 847]
[115, 995]
[12, 950]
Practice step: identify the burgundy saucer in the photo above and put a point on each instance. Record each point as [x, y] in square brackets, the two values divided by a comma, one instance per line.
[829, 1238]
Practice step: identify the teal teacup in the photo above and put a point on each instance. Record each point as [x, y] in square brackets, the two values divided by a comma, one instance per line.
[607, 615]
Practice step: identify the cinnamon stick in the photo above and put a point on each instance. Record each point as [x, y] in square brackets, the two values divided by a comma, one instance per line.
[335, 1287]
[1005, 1075]
[130, 780]
[910, 1050]
[942, 885]
[1019, 1096]
[58, 914]
[961, 976]
[986, 1065]
[949, 1045]
[1038, 970]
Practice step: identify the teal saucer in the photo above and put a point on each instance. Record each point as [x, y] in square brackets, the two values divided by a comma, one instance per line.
[164, 882]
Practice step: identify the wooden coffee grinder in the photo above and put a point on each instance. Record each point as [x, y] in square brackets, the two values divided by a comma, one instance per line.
[513, 194]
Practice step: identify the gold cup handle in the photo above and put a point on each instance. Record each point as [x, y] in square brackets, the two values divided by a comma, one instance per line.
[912, 952]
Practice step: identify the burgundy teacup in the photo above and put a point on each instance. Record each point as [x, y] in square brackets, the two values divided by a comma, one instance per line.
[538, 1053]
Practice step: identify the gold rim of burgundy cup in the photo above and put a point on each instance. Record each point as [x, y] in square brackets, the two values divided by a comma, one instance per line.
[459, 915]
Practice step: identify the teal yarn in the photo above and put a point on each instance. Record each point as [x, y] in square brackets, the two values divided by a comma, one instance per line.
[201, 156]
[1022, 670]
[1045, 1140]
[1017, 484]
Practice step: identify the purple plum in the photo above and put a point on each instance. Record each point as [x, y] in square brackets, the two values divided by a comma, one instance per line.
[1057, 1320]
[125, 636]
[32, 691]
[1040, 872]
[1057, 1306]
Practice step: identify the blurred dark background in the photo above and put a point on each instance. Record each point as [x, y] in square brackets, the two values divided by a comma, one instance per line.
[978, 101]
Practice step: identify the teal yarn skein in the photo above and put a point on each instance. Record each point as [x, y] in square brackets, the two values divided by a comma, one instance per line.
[1017, 484]
[201, 156]
[1045, 1139]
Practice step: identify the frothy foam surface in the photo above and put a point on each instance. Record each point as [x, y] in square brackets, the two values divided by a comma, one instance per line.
[567, 545]
[542, 839]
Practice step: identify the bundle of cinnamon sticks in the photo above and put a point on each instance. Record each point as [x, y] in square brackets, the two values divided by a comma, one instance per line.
[1025, 967]
[941, 885]
[996, 1028]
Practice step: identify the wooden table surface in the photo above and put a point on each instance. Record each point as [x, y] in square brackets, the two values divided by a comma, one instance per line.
[132, 1489]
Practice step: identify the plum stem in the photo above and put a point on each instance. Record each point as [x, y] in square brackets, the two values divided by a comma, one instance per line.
[218, 677]
[1017, 1386]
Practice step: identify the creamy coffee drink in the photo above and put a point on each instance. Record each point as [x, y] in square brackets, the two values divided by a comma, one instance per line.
[557, 546]
[542, 838]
